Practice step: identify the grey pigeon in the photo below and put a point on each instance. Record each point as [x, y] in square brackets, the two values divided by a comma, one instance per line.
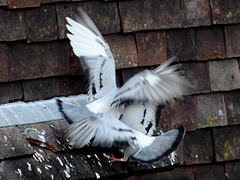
[122, 117]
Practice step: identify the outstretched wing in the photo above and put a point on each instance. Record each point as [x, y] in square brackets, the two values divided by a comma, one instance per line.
[72, 113]
[94, 53]
[104, 130]
[141, 117]
[159, 86]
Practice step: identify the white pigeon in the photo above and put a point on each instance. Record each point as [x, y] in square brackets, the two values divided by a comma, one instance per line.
[121, 117]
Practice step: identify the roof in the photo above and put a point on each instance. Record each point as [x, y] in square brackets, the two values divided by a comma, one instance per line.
[37, 64]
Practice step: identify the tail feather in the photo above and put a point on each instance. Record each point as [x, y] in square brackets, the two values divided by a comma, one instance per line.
[161, 147]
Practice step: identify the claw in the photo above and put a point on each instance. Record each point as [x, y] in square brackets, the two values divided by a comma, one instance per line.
[113, 159]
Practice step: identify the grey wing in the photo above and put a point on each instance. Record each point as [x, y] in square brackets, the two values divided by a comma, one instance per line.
[141, 117]
[94, 54]
[161, 147]
[104, 130]
[72, 113]
[159, 86]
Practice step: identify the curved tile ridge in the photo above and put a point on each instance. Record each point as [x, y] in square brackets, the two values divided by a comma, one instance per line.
[20, 112]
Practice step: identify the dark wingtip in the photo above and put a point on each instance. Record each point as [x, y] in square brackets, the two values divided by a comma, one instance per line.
[60, 108]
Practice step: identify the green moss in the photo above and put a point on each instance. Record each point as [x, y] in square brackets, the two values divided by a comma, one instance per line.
[229, 150]
[46, 30]
[230, 14]
[62, 32]
[210, 121]
[107, 20]
[225, 155]
[125, 24]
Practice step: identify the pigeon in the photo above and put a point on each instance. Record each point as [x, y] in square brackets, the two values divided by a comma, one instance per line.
[123, 117]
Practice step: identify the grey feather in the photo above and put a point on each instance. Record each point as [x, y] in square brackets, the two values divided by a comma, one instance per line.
[161, 147]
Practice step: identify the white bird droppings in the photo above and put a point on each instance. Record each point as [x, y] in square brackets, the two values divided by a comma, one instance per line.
[29, 166]
[67, 175]
[39, 170]
[97, 175]
[18, 171]
[60, 161]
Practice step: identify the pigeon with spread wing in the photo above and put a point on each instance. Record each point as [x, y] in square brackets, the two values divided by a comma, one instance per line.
[123, 117]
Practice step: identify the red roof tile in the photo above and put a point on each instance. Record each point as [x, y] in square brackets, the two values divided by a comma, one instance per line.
[196, 13]
[209, 43]
[210, 171]
[151, 14]
[152, 48]
[105, 15]
[211, 111]
[223, 13]
[14, 4]
[226, 143]
[46, 67]
[69, 85]
[224, 75]
[181, 43]
[197, 73]
[4, 62]
[14, 28]
[180, 112]
[123, 49]
[66, 10]
[45, 89]
[232, 170]
[232, 34]
[232, 100]
[198, 147]
[41, 23]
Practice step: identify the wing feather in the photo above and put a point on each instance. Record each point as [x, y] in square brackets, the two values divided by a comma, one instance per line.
[160, 86]
[141, 117]
[94, 53]
[102, 128]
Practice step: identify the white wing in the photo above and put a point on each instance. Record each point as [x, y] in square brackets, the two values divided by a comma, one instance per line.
[102, 129]
[141, 117]
[159, 86]
[94, 54]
